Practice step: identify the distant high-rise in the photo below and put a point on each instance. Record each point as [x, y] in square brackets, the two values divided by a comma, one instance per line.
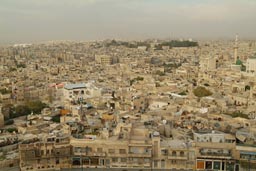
[251, 65]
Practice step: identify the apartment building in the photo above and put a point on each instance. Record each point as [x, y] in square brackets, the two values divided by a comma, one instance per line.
[103, 59]
[251, 65]
[215, 151]
[51, 153]
[79, 91]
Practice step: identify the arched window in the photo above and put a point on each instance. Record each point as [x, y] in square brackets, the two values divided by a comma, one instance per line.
[182, 153]
[76, 161]
[174, 153]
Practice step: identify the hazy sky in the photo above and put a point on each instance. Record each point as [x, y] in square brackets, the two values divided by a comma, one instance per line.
[42, 20]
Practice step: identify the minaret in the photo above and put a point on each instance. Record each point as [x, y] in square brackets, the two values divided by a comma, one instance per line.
[235, 48]
[1, 117]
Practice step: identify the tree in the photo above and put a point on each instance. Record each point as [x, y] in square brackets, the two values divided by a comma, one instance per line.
[5, 91]
[56, 118]
[201, 92]
[20, 110]
[160, 73]
[177, 43]
[239, 114]
[9, 122]
[36, 106]
[247, 87]
[206, 84]
[183, 93]
[26, 109]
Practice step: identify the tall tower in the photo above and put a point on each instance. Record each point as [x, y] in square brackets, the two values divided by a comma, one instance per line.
[1, 117]
[235, 49]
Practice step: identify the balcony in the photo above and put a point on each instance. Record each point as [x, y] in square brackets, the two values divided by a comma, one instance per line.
[89, 154]
[140, 154]
[216, 155]
[177, 157]
[116, 155]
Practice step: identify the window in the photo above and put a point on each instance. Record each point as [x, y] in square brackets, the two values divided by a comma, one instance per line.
[134, 159]
[174, 153]
[208, 165]
[162, 163]
[107, 162]
[87, 149]
[115, 160]
[123, 160]
[146, 160]
[155, 164]
[200, 164]
[102, 162]
[99, 150]
[147, 150]
[134, 150]
[164, 152]
[77, 149]
[111, 151]
[182, 153]
[216, 165]
[173, 161]
[57, 161]
[122, 151]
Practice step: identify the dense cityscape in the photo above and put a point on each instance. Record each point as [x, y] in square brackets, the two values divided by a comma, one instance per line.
[127, 85]
[155, 104]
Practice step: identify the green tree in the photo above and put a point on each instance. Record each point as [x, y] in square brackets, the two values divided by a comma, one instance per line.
[183, 93]
[247, 87]
[9, 122]
[201, 92]
[20, 110]
[56, 118]
[160, 73]
[4, 91]
[36, 106]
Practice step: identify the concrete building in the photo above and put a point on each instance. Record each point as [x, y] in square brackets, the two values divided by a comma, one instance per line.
[215, 151]
[80, 91]
[49, 154]
[208, 63]
[103, 59]
[251, 65]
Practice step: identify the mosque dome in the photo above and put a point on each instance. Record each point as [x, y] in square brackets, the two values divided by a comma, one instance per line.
[239, 62]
